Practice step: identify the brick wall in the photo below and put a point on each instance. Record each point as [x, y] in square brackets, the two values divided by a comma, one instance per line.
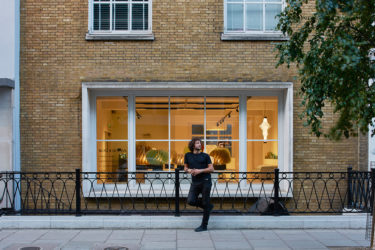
[56, 59]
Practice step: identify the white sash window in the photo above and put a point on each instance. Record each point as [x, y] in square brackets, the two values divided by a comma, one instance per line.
[120, 16]
[251, 16]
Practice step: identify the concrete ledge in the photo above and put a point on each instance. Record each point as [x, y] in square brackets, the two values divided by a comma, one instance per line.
[6, 82]
[253, 37]
[114, 37]
[184, 222]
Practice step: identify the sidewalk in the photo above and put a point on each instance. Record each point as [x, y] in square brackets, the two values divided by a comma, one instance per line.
[183, 239]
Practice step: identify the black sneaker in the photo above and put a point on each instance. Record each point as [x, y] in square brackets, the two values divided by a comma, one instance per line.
[200, 229]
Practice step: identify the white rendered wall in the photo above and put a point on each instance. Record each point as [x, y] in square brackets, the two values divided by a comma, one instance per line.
[7, 71]
[7, 41]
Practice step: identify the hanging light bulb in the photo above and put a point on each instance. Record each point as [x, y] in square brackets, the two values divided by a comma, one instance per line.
[264, 126]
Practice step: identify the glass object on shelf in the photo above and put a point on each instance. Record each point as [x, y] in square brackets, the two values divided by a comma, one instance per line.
[152, 156]
[224, 155]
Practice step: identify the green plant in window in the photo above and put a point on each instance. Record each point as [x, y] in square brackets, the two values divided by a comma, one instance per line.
[270, 155]
[157, 157]
[123, 156]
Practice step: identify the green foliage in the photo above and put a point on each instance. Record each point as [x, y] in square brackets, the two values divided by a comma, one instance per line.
[157, 157]
[330, 48]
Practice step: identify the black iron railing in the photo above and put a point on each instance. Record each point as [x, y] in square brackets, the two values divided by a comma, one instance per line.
[273, 193]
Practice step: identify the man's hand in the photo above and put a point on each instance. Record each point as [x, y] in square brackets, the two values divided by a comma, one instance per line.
[195, 172]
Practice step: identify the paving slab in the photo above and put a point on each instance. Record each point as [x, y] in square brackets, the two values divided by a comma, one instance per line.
[328, 235]
[126, 235]
[260, 234]
[5, 233]
[28, 235]
[232, 245]
[44, 246]
[159, 237]
[195, 243]
[92, 235]
[130, 246]
[158, 245]
[268, 244]
[60, 235]
[78, 245]
[305, 244]
[338, 243]
[160, 231]
[195, 248]
[364, 243]
[296, 236]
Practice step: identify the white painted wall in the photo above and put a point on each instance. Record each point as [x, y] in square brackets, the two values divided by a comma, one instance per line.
[7, 41]
[7, 71]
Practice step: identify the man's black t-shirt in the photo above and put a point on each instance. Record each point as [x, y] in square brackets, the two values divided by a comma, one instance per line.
[198, 161]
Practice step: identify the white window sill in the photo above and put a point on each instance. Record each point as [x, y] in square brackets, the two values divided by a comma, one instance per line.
[253, 37]
[119, 37]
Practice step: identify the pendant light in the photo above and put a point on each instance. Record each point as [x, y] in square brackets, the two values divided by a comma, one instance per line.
[264, 126]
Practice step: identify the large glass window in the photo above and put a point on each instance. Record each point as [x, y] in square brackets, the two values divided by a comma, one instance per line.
[262, 134]
[121, 16]
[112, 136]
[247, 16]
[163, 127]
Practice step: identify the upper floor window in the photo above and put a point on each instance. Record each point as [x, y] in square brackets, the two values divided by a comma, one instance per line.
[251, 16]
[120, 16]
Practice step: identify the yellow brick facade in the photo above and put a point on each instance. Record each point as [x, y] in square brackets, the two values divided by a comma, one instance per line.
[56, 59]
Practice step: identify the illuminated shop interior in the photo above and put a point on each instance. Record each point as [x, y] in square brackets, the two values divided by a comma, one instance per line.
[165, 125]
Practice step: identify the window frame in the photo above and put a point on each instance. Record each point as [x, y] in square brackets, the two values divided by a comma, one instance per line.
[252, 32]
[91, 30]
[283, 90]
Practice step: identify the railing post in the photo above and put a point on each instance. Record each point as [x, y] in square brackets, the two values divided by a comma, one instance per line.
[350, 198]
[177, 193]
[372, 189]
[78, 192]
[276, 192]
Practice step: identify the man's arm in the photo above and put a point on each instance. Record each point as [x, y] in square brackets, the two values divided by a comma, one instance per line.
[187, 169]
[209, 169]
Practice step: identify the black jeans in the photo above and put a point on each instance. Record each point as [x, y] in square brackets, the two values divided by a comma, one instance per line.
[204, 188]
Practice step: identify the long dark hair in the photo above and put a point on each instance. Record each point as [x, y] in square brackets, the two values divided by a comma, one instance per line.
[192, 143]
